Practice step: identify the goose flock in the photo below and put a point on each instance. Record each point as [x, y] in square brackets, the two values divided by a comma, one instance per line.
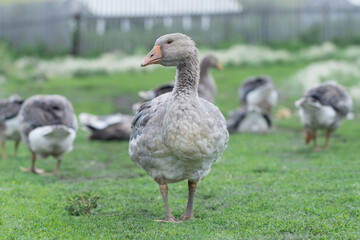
[177, 133]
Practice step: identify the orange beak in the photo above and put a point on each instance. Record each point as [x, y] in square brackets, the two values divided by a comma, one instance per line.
[154, 56]
[219, 66]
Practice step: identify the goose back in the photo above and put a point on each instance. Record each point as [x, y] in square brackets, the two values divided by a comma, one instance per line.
[333, 95]
[107, 128]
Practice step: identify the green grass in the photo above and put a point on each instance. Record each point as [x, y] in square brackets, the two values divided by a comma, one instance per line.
[264, 187]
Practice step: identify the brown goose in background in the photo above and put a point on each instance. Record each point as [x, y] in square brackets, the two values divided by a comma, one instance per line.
[48, 127]
[323, 107]
[9, 122]
[207, 86]
[177, 136]
[106, 128]
[259, 91]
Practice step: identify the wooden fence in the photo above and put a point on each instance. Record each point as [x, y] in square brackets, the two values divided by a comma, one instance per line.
[59, 27]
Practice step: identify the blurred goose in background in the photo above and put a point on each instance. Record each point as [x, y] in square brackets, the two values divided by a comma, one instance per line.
[177, 136]
[259, 91]
[323, 107]
[258, 96]
[207, 86]
[9, 122]
[111, 127]
[148, 95]
[250, 119]
[48, 127]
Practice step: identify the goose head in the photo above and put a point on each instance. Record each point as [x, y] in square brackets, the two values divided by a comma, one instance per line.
[171, 50]
[211, 61]
[52, 105]
[16, 99]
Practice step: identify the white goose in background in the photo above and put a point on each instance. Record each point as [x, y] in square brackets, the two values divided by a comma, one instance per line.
[259, 91]
[207, 86]
[48, 127]
[105, 128]
[177, 136]
[9, 122]
[258, 96]
[323, 107]
[250, 119]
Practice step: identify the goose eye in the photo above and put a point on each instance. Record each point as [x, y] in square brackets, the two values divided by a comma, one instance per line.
[169, 41]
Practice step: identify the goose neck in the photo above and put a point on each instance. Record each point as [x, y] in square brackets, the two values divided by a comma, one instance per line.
[204, 68]
[187, 78]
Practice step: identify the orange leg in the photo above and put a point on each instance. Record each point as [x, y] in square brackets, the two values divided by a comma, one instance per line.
[316, 148]
[32, 167]
[3, 149]
[164, 193]
[308, 136]
[328, 134]
[16, 146]
[189, 208]
[56, 170]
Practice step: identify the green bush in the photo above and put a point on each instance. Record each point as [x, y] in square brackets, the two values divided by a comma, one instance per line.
[82, 204]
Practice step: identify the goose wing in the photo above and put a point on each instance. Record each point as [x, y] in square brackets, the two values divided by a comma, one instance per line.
[116, 131]
[332, 95]
[101, 122]
[9, 109]
[148, 110]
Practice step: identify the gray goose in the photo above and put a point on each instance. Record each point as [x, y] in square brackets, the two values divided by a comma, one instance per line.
[9, 122]
[323, 107]
[48, 127]
[259, 91]
[258, 96]
[106, 128]
[249, 119]
[177, 136]
[207, 86]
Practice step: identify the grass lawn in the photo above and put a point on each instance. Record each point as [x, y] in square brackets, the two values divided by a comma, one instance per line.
[264, 187]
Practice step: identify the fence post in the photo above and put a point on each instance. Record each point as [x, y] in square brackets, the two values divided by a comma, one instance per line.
[326, 23]
[265, 17]
[75, 44]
